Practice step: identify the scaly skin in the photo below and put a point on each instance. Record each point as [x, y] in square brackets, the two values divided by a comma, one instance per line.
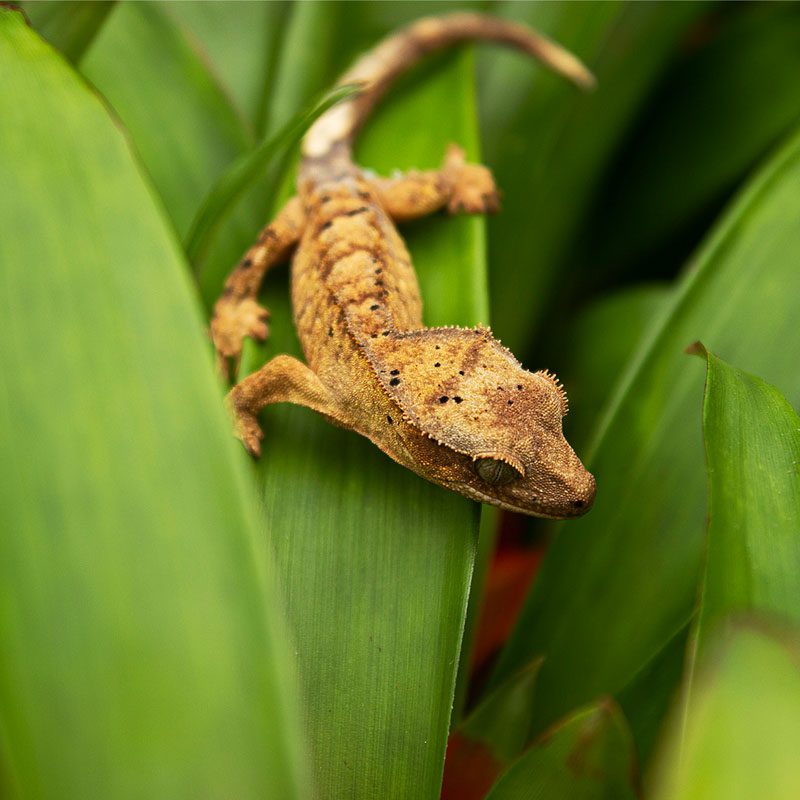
[451, 404]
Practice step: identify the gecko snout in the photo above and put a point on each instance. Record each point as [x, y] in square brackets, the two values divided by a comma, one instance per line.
[583, 494]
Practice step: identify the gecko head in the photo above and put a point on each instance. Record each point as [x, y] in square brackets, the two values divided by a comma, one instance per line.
[483, 426]
[521, 460]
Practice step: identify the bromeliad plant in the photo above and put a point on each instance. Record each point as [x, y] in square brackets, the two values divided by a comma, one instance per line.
[176, 621]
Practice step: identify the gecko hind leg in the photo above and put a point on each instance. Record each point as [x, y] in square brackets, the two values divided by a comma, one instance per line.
[237, 313]
[283, 379]
[458, 186]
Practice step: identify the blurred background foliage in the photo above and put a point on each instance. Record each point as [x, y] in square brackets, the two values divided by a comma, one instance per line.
[176, 622]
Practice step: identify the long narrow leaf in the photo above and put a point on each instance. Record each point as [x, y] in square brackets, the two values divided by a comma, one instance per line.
[242, 43]
[69, 25]
[620, 583]
[246, 171]
[742, 735]
[183, 125]
[375, 561]
[141, 651]
[752, 438]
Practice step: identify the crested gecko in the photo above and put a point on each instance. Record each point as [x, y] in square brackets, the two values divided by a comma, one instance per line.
[449, 403]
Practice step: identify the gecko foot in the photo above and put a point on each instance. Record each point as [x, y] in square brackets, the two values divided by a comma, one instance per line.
[246, 429]
[232, 321]
[474, 190]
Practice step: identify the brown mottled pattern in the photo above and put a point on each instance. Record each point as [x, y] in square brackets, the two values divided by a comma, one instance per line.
[451, 404]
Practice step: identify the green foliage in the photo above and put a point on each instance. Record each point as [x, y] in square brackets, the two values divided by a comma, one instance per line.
[143, 650]
[589, 756]
[742, 732]
[178, 622]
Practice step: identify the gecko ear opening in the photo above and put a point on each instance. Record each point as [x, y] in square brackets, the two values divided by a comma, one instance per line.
[497, 470]
[553, 379]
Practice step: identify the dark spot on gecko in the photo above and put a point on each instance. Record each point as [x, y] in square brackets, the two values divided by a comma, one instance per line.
[394, 381]
[247, 263]
[511, 402]
[577, 503]
[437, 364]
[326, 225]
[437, 347]
[461, 372]
[385, 333]
[458, 399]
[499, 388]
[374, 307]
[379, 282]
[364, 195]
[355, 211]
[395, 372]
[443, 399]
[389, 419]
[519, 386]
[330, 331]
[374, 335]
[326, 198]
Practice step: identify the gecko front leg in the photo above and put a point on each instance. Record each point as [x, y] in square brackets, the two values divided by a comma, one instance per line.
[282, 380]
[458, 186]
[237, 313]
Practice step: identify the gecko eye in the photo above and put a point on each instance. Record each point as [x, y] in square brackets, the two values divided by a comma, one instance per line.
[496, 472]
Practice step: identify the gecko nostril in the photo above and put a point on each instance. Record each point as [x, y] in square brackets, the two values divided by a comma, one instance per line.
[578, 503]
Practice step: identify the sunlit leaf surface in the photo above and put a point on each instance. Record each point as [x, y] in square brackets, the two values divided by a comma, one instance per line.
[753, 450]
[142, 650]
[742, 734]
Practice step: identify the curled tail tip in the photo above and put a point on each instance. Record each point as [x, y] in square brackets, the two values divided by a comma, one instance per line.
[580, 74]
[565, 63]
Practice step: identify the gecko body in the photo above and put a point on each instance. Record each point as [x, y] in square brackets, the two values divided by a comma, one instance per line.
[451, 404]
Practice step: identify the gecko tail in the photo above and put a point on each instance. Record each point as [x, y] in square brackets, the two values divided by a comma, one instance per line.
[378, 68]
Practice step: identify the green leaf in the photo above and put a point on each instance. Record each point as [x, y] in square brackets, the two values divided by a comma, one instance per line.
[549, 143]
[375, 561]
[492, 736]
[242, 43]
[647, 698]
[487, 540]
[246, 171]
[183, 126]
[587, 756]
[752, 439]
[742, 735]
[592, 363]
[143, 651]
[69, 25]
[745, 78]
[619, 583]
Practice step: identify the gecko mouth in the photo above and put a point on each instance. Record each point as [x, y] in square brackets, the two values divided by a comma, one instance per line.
[493, 501]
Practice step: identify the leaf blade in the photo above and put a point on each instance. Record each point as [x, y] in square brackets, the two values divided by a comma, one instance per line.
[131, 585]
[635, 559]
[377, 577]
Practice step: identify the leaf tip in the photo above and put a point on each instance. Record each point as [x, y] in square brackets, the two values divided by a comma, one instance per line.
[696, 349]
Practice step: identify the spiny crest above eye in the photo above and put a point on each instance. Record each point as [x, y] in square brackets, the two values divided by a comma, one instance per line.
[553, 378]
